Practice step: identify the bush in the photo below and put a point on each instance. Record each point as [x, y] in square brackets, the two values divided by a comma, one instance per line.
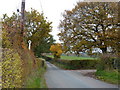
[40, 62]
[47, 58]
[11, 69]
[76, 64]
[116, 64]
[16, 67]
[106, 62]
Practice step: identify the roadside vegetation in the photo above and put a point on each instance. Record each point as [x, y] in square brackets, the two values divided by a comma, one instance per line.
[108, 76]
[73, 57]
[56, 49]
[88, 27]
[92, 28]
[36, 78]
[107, 69]
[73, 64]
[20, 67]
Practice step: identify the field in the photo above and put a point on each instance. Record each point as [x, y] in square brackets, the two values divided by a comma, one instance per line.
[73, 57]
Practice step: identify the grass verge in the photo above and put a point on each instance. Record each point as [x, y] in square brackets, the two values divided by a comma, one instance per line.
[36, 79]
[108, 76]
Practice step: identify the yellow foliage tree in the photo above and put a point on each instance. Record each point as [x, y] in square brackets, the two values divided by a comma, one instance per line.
[57, 50]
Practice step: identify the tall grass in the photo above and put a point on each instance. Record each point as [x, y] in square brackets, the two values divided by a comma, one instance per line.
[36, 79]
[108, 76]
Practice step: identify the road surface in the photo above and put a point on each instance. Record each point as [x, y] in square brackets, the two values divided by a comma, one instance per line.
[58, 78]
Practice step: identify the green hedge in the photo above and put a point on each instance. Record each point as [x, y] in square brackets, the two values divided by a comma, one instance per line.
[47, 58]
[11, 69]
[76, 64]
[81, 64]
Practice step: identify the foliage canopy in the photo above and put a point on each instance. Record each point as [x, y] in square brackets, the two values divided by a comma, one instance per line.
[56, 49]
[90, 25]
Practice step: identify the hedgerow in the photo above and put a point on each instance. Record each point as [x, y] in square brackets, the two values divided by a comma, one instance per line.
[11, 69]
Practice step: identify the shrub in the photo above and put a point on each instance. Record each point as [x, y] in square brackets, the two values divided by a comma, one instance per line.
[83, 64]
[76, 64]
[15, 70]
[116, 64]
[106, 62]
[40, 62]
[11, 69]
[57, 50]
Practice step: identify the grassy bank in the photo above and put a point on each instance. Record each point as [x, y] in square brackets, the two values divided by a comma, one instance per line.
[73, 57]
[36, 79]
[108, 76]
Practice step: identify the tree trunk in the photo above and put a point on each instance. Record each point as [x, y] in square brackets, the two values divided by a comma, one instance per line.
[104, 50]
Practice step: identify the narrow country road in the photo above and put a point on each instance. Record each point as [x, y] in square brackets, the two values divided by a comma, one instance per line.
[58, 78]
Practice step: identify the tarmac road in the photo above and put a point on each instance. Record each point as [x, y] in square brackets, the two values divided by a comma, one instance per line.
[58, 78]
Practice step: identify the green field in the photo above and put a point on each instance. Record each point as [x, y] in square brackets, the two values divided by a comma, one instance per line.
[73, 57]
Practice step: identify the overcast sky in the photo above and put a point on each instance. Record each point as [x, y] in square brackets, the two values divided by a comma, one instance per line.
[51, 8]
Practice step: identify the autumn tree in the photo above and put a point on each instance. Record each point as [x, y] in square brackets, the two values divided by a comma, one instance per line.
[89, 26]
[18, 62]
[37, 28]
[57, 50]
[11, 31]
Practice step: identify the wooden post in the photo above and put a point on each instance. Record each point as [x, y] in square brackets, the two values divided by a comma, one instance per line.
[22, 18]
